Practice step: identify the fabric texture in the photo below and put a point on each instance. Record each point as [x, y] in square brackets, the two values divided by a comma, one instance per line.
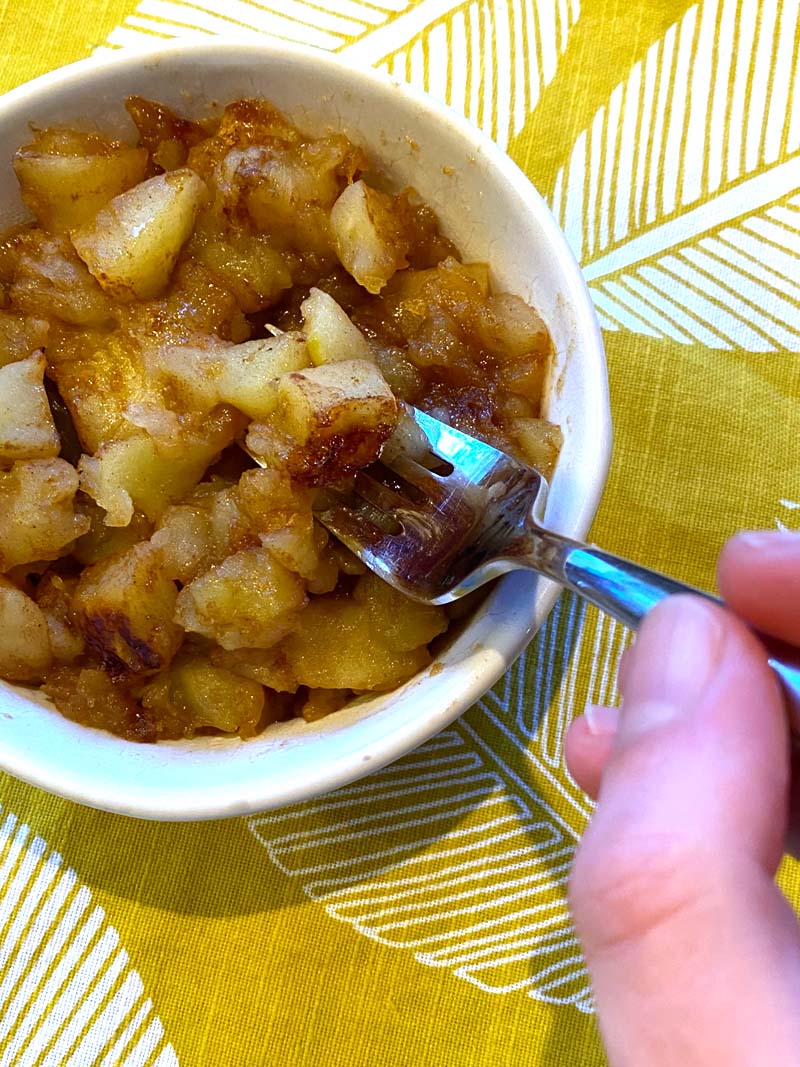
[419, 916]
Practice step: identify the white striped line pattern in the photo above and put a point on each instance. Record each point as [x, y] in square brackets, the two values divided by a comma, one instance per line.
[697, 245]
[450, 854]
[291, 20]
[68, 996]
[489, 59]
[435, 856]
[572, 661]
[789, 507]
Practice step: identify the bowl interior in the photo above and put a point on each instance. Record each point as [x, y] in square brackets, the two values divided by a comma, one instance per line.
[489, 209]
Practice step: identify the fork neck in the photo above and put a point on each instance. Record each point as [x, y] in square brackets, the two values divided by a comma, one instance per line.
[621, 588]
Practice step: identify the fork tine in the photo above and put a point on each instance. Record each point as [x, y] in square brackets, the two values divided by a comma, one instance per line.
[353, 525]
[377, 493]
[432, 487]
[434, 535]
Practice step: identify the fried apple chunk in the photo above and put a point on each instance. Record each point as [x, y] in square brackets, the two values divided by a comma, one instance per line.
[139, 474]
[37, 516]
[65, 176]
[375, 640]
[401, 624]
[198, 695]
[100, 376]
[268, 666]
[25, 652]
[131, 245]
[20, 336]
[328, 421]
[54, 597]
[250, 600]
[331, 335]
[88, 695]
[538, 443]
[27, 430]
[124, 609]
[370, 236]
[51, 282]
[235, 374]
[334, 645]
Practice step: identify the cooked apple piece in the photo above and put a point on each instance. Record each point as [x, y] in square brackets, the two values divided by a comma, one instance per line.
[134, 474]
[101, 541]
[54, 595]
[287, 192]
[102, 379]
[400, 623]
[329, 421]
[255, 121]
[51, 282]
[208, 526]
[165, 135]
[124, 609]
[323, 702]
[246, 264]
[66, 177]
[271, 501]
[249, 600]
[334, 645]
[131, 246]
[297, 547]
[27, 430]
[511, 329]
[195, 304]
[247, 368]
[89, 696]
[231, 528]
[37, 516]
[538, 443]
[265, 665]
[184, 538]
[25, 652]
[324, 577]
[205, 695]
[331, 336]
[370, 234]
[20, 336]
[280, 513]
[234, 374]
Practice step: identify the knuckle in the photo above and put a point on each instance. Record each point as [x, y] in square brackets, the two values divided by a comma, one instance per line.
[624, 891]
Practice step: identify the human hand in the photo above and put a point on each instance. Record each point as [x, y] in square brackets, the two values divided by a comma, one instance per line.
[693, 951]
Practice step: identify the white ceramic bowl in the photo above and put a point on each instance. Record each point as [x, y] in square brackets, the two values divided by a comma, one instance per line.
[488, 207]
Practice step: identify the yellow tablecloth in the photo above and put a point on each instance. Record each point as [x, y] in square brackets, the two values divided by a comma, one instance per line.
[419, 916]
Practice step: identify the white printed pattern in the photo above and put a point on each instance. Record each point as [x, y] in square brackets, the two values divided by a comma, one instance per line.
[700, 245]
[68, 995]
[451, 853]
[489, 59]
[790, 519]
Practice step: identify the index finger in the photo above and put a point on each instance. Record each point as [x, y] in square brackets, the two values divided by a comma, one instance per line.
[759, 577]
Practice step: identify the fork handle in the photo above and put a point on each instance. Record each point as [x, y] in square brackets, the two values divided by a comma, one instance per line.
[628, 591]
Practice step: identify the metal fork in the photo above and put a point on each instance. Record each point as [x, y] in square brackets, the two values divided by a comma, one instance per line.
[442, 514]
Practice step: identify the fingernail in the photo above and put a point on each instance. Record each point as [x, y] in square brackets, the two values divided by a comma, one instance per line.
[601, 721]
[769, 540]
[677, 652]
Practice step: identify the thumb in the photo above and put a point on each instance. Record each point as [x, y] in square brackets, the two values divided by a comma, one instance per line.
[693, 952]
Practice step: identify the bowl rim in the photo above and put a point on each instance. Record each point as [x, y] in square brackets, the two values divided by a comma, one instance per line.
[377, 748]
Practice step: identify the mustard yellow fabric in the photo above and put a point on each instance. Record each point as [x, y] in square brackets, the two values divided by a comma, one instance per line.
[419, 917]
